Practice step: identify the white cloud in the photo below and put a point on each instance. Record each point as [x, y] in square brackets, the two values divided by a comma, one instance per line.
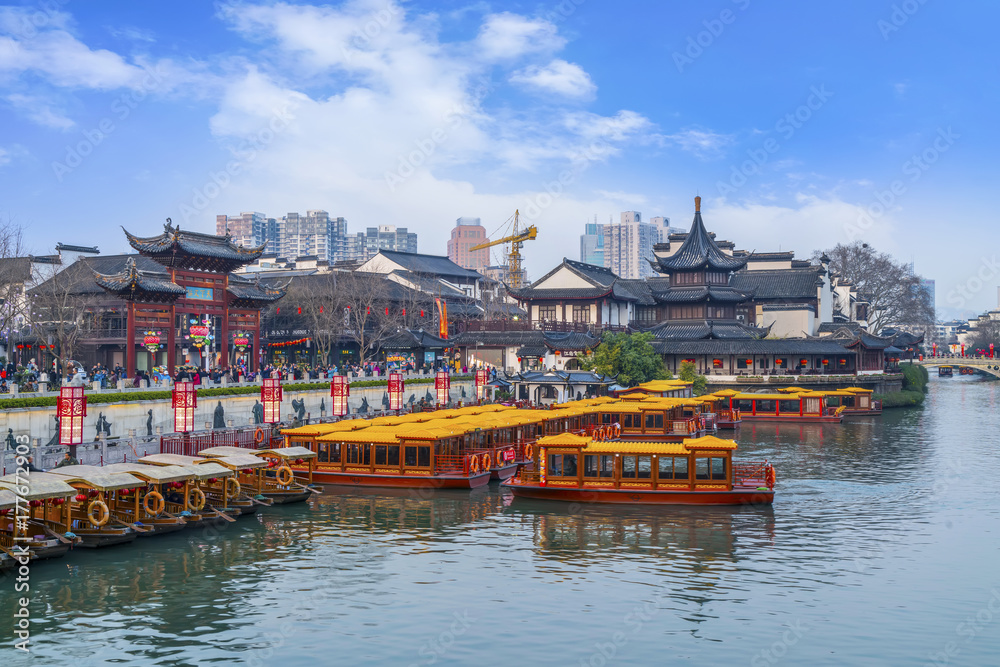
[132, 33]
[703, 143]
[4, 157]
[38, 110]
[508, 36]
[558, 77]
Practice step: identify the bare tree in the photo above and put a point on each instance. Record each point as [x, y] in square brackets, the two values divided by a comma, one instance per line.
[15, 277]
[894, 293]
[321, 299]
[365, 298]
[62, 308]
[985, 333]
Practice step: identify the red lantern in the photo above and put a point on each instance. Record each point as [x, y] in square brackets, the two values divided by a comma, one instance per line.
[270, 396]
[185, 400]
[396, 388]
[72, 408]
[151, 341]
[80, 497]
[92, 493]
[299, 462]
[272, 463]
[340, 390]
[442, 383]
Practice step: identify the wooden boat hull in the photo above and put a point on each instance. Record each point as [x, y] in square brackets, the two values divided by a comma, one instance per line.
[107, 538]
[728, 424]
[504, 472]
[738, 496]
[336, 478]
[47, 553]
[861, 413]
[801, 419]
[162, 526]
[287, 497]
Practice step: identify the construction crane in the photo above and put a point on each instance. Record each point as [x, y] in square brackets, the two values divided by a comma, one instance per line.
[516, 239]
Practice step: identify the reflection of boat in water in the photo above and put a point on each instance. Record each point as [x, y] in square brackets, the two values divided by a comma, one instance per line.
[588, 534]
[391, 510]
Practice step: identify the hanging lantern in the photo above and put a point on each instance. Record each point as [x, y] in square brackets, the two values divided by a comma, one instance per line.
[72, 408]
[152, 341]
[241, 341]
[826, 362]
[200, 332]
[270, 396]
[442, 383]
[396, 388]
[340, 390]
[185, 400]
[803, 362]
[481, 378]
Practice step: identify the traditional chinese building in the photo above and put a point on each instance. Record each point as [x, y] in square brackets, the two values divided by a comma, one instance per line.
[196, 307]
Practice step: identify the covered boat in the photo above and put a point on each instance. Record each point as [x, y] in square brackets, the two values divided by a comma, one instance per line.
[191, 499]
[99, 510]
[47, 531]
[149, 507]
[271, 477]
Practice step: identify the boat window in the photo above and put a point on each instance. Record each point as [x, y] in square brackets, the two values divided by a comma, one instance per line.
[645, 467]
[833, 401]
[570, 462]
[354, 453]
[590, 465]
[562, 465]
[410, 456]
[555, 465]
[718, 468]
[680, 467]
[701, 468]
[605, 418]
[743, 404]
[654, 420]
[424, 456]
[766, 405]
[327, 451]
[848, 401]
[607, 466]
[380, 454]
[628, 467]
[789, 406]
[666, 467]
[627, 421]
[393, 458]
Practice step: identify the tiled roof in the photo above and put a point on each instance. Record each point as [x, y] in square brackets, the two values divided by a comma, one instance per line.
[778, 283]
[725, 329]
[532, 351]
[435, 265]
[699, 251]
[134, 285]
[598, 274]
[184, 249]
[254, 292]
[498, 338]
[529, 293]
[695, 294]
[631, 289]
[767, 346]
[571, 341]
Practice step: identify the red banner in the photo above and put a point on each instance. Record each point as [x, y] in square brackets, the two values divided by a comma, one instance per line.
[442, 309]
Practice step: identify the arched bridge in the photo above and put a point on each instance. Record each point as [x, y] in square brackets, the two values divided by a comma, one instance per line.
[990, 366]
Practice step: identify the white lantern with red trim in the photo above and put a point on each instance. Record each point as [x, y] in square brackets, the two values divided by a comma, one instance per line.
[72, 408]
[442, 384]
[340, 390]
[481, 379]
[270, 396]
[396, 388]
[185, 400]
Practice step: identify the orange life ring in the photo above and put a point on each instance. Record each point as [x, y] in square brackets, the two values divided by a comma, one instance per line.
[258, 435]
[198, 504]
[527, 450]
[618, 430]
[769, 477]
[487, 461]
[474, 464]
[284, 475]
[160, 503]
[102, 516]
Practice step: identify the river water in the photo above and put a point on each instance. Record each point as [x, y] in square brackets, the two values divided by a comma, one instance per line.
[881, 549]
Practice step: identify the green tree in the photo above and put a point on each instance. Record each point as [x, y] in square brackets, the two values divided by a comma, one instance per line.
[630, 357]
[689, 373]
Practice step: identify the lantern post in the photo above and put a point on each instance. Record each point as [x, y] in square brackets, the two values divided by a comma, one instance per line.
[270, 396]
[340, 390]
[185, 400]
[396, 388]
[71, 408]
[442, 383]
[481, 377]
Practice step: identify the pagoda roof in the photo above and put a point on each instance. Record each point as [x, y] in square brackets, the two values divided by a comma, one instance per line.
[699, 251]
[696, 294]
[253, 293]
[707, 329]
[131, 284]
[192, 250]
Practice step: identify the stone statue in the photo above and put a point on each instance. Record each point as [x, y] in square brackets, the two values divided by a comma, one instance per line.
[428, 397]
[363, 409]
[413, 399]
[54, 440]
[258, 413]
[219, 416]
[385, 400]
[149, 423]
[103, 426]
[299, 407]
[322, 405]
[11, 443]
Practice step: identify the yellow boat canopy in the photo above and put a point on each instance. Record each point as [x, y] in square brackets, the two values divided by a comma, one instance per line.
[565, 440]
[710, 442]
[659, 448]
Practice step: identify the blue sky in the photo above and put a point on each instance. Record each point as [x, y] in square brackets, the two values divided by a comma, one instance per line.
[801, 124]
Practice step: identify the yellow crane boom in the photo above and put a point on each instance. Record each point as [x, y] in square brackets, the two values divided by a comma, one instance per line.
[516, 240]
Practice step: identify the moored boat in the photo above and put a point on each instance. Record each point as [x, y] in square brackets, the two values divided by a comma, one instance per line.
[190, 499]
[272, 478]
[47, 531]
[97, 515]
[801, 406]
[697, 471]
[945, 371]
[148, 508]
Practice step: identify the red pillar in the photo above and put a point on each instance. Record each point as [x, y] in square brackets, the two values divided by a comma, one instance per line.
[130, 341]
[171, 344]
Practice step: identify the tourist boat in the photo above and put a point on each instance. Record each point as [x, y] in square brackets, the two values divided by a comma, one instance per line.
[856, 401]
[97, 515]
[273, 479]
[807, 406]
[696, 471]
[9, 556]
[149, 508]
[660, 389]
[640, 417]
[945, 371]
[966, 370]
[47, 532]
[244, 492]
[726, 416]
[190, 499]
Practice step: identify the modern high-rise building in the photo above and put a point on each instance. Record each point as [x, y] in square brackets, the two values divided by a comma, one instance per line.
[362, 246]
[592, 244]
[313, 234]
[249, 229]
[628, 245]
[466, 233]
